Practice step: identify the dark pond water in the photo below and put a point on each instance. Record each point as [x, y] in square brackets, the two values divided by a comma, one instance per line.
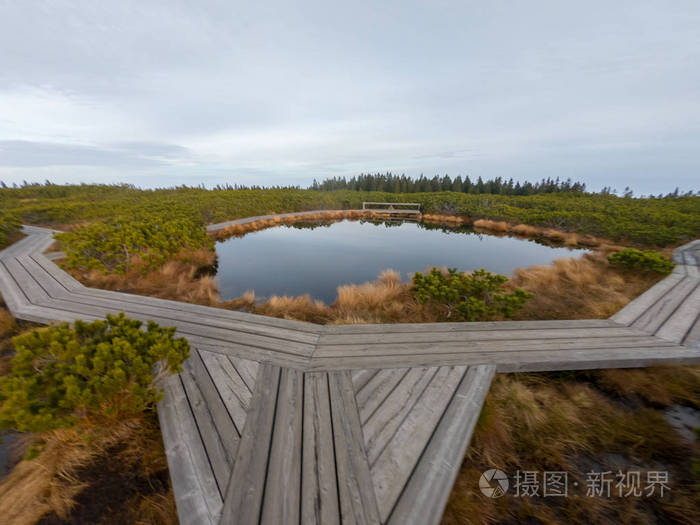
[315, 259]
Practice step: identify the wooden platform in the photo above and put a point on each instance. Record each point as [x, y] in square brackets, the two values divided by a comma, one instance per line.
[276, 421]
[392, 208]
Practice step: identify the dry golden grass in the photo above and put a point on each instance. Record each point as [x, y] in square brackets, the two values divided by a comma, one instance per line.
[551, 234]
[238, 230]
[176, 279]
[445, 219]
[577, 288]
[50, 483]
[301, 308]
[152, 510]
[386, 300]
[658, 386]
[494, 226]
[562, 422]
[7, 323]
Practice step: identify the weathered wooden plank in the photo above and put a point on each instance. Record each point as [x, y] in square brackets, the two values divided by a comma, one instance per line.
[235, 350]
[230, 386]
[382, 425]
[498, 326]
[40, 314]
[393, 466]
[423, 500]
[358, 504]
[30, 288]
[213, 398]
[217, 455]
[247, 369]
[52, 287]
[405, 349]
[693, 335]
[63, 278]
[283, 486]
[436, 337]
[244, 494]
[642, 357]
[11, 292]
[24, 245]
[645, 301]
[652, 319]
[689, 258]
[361, 377]
[682, 319]
[319, 488]
[377, 390]
[196, 494]
[595, 357]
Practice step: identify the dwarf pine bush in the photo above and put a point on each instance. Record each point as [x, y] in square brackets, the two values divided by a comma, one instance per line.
[645, 261]
[113, 245]
[476, 296]
[101, 371]
[9, 228]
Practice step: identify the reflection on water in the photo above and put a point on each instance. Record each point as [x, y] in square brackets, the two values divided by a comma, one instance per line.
[316, 258]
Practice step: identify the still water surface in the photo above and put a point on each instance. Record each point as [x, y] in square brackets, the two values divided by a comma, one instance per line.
[294, 260]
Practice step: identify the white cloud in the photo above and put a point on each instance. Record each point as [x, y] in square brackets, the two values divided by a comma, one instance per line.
[281, 93]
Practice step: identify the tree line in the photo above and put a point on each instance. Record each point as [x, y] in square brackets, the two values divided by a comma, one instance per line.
[390, 183]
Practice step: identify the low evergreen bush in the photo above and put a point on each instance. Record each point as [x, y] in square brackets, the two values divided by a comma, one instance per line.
[645, 261]
[476, 296]
[98, 372]
[9, 228]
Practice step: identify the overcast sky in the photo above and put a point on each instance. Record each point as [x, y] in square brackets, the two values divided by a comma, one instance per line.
[167, 93]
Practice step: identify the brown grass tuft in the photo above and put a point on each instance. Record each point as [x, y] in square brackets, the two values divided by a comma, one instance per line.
[494, 226]
[525, 230]
[176, 279]
[548, 422]
[50, 483]
[7, 323]
[237, 230]
[586, 287]
[301, 308]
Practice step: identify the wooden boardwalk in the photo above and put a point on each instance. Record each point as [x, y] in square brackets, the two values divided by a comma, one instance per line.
[276, 421]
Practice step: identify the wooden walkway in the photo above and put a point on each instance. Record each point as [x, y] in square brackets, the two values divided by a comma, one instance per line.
[276, 421]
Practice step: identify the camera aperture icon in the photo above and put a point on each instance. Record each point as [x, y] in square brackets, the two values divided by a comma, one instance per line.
[493, 483]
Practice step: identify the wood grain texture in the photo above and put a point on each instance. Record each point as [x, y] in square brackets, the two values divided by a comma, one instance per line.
[424, 497]
[319, 486]
[283, 486]
[358, 504]
[244, 495]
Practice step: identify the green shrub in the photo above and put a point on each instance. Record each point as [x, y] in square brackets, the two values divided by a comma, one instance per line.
[114, 245]
[101, 371]
[645, 261]
[479, 296]
[646, 221]
[10, 227]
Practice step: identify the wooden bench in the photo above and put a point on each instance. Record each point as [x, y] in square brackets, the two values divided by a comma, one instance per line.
[412, 208]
